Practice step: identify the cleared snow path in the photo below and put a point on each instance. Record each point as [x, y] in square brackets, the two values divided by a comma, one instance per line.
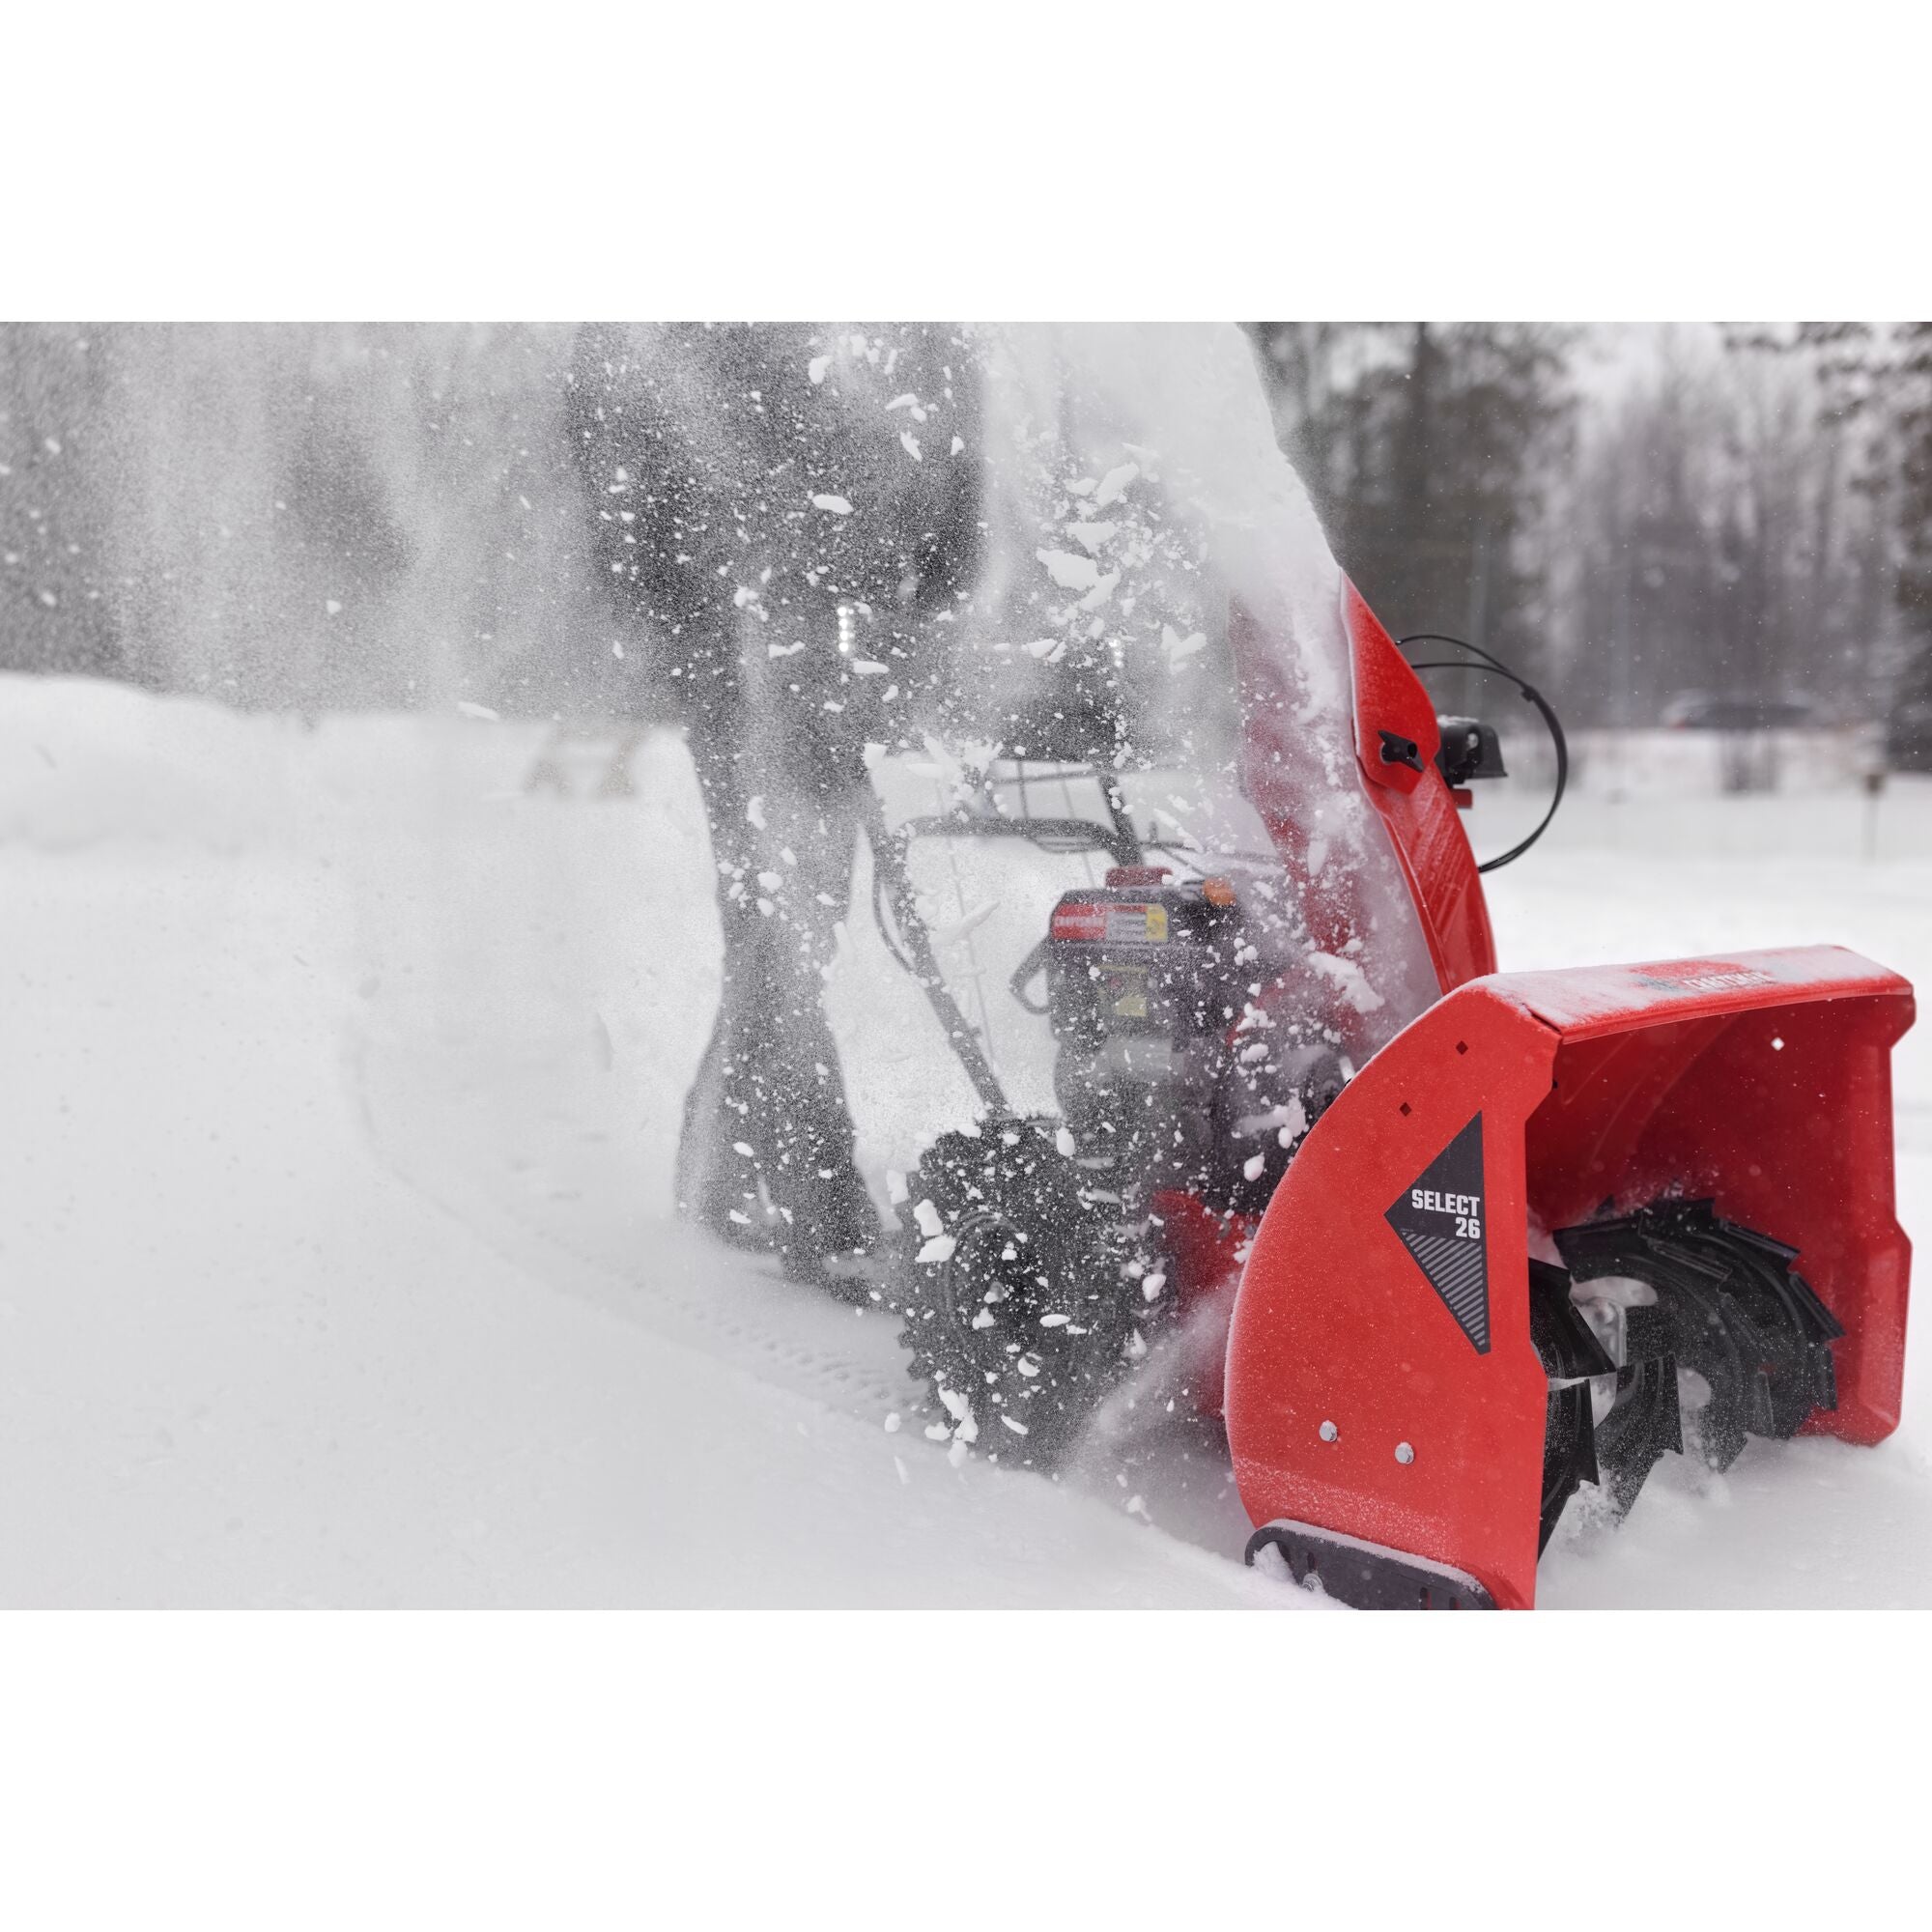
[273, 1330]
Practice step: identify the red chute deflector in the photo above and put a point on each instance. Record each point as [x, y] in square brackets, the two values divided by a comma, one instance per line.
[1396, 742]
[1396, 739]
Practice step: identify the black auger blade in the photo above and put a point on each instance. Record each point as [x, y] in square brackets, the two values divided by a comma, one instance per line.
[1732, 1308]
[1646, 1423]
[1570, 1354]
[1564, 1338]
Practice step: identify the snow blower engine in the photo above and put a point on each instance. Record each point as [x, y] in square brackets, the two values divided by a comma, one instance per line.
[1559, 1226]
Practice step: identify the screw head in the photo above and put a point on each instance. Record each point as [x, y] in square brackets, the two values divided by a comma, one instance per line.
[1328, 1431]
[1403, 1453]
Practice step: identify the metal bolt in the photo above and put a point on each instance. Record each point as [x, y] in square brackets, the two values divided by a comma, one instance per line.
[1403, 1453]
[1328, 1431]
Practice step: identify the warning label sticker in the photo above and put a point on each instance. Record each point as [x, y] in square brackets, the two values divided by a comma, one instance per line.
[1137, 925]
[1117, 923]
[1439, 1218]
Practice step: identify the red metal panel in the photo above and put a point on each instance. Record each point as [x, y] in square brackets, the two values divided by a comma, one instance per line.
[1283, 766]
[1582, 1001]
[1418, 808]
[1389, 697]
[1762, 1080]
[1334, 1323]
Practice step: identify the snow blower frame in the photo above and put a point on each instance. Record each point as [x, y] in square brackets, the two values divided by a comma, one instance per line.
[1467, 1287]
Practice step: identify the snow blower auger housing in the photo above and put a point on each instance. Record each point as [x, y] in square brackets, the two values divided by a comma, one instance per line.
[1408, 1394]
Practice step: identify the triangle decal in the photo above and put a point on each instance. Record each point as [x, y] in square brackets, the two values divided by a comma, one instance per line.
[1440, 1219]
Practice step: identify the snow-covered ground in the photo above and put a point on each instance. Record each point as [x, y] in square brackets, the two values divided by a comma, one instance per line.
[336, 1261]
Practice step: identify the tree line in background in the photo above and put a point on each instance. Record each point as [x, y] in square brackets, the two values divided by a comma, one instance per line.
[1633, 515]
[1628, 514]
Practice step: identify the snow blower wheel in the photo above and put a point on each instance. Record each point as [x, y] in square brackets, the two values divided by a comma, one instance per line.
[1013, 1286]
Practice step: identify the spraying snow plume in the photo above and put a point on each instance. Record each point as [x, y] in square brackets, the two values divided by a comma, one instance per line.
[296, 516]
[819, 548]
[838, 543]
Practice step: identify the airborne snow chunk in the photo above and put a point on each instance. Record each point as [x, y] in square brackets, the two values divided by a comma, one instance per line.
[1179, 649]
[1068, 570]
[961, 1412]
[1350, 979]
[837, 506]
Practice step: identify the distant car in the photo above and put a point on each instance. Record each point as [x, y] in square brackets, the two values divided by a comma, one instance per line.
[1742, 711]
[1908, 736]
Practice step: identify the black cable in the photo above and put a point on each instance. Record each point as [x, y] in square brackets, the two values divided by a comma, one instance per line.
[879, 920]
[1493, 667]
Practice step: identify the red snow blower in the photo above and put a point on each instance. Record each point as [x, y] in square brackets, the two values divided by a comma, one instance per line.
[1501, 1260]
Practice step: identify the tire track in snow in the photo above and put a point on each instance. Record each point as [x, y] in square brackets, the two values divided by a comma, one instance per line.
[698, 1292]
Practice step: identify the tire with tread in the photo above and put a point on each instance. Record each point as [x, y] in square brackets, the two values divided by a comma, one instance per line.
[1012, 1281]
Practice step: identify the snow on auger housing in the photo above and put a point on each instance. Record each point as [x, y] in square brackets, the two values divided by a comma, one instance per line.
[1469, 1235]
